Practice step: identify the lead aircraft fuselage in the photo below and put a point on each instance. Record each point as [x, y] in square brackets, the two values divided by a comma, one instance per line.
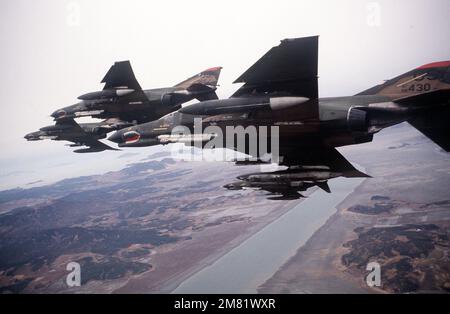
[157, 103]
[323, 122]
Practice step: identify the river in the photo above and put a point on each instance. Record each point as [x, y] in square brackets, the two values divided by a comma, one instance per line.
[255, 260]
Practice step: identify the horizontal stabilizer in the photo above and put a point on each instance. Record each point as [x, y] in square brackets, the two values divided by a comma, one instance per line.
[209, 96]
[433, 98]
[324, 186]
[434, 124]
[203, 92]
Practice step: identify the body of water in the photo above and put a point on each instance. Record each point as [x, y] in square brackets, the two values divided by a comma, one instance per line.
[255, 260]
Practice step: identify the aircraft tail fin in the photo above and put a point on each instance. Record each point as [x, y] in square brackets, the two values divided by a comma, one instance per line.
[426, 78]
[120, 75]
[209, 77]
[287, 69]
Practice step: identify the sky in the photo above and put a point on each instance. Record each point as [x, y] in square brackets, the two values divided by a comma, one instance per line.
[52, 51]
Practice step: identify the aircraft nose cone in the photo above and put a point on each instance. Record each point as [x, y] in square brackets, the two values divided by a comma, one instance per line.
[116, 137]
[59, 114]
[31, 136]
[193, 109]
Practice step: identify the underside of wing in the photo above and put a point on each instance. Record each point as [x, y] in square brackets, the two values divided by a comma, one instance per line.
[318, 156]
[287, 69]
[93, 145]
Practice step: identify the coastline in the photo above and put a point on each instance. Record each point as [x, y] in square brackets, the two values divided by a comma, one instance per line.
[270, 247]
[313, 264]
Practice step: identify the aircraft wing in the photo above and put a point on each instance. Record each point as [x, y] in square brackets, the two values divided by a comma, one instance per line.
[93, 145]
[318, 156]
[121, 75]
[69, 121]
[288, 69]
[293, 154]
[79, 136]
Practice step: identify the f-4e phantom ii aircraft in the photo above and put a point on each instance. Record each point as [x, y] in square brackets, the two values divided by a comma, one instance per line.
[84, 134]
[122, 102]
[123, 98]
[281, 89]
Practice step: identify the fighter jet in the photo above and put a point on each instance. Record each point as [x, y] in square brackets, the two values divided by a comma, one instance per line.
[84, 134]
[281, 90]
[123, 98]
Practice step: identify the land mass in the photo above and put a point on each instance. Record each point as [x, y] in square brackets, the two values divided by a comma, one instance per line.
[136, 230]
[399, 218]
